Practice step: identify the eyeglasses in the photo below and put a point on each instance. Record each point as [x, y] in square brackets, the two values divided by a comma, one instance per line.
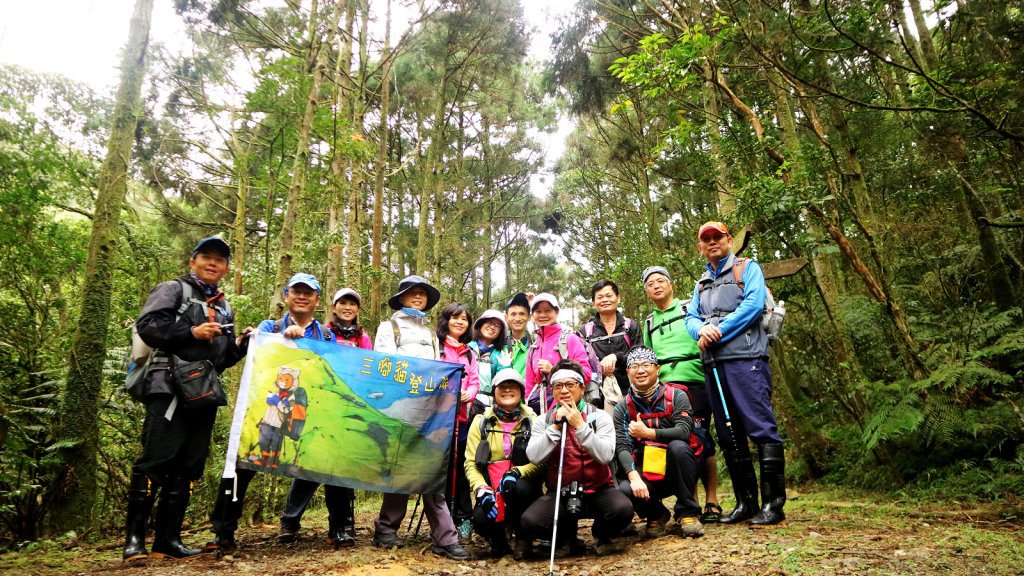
[567, 384]
[646, 366]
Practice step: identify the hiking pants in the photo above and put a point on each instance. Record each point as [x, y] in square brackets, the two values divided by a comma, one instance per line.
[175, 448]
[526, 493]
[337, 498]
[747, 386]
[393, 509]
[679, 481]
[609, 508]
[227, 508]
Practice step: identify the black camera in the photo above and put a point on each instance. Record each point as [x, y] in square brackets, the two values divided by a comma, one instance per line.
[573, 498]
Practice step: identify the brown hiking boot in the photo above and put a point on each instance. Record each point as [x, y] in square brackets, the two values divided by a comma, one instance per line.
[690, 527]
[658, 527]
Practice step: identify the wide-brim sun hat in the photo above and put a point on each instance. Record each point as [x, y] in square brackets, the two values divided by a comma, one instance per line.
[544, 297]
[488, 315]
[410, 282]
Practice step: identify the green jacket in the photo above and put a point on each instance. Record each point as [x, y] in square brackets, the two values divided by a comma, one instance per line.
[677, 351]
[513, 354]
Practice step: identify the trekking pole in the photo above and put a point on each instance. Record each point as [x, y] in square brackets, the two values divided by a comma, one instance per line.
[721, 396]
[558, 500]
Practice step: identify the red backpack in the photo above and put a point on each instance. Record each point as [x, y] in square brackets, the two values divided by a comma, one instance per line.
[695, 444]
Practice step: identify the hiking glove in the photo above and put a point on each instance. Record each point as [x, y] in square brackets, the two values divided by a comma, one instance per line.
[509, 481]
[488, 504]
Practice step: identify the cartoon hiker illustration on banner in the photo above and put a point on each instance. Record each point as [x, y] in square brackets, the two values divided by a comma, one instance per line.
[285, 416]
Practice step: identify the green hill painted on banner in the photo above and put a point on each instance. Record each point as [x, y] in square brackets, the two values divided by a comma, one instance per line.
[345, 441]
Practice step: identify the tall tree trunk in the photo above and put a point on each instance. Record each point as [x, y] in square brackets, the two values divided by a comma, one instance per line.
[340, 165]
[242, 193]
[381, 171]
[433, 181]
[79, 413]
[924, 37]
[295, 211]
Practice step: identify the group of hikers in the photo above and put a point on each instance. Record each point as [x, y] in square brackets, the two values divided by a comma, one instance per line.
[553, 426]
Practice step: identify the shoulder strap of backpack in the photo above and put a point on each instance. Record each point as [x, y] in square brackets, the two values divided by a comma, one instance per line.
[631, 406]
[588, 329]
[398, 333]
[563, 349]
[278, 325]
[738, 267]
[186, 298]
[625, 332]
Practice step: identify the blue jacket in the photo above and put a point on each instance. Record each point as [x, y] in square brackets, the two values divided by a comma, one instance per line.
[718, 300]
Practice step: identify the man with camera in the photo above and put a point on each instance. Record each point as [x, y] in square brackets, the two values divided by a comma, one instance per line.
[587, 487]
[187, 319]
[652, 446]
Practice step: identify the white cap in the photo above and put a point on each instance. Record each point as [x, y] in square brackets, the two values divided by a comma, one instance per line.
[544, 297]
[347, 292]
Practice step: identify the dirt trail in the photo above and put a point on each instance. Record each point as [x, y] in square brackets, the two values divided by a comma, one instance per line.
[823, 535]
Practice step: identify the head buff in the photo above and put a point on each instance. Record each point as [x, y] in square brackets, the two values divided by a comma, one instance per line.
[565, 374]
[640, 355]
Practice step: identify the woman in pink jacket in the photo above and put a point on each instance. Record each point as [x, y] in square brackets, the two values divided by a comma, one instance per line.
[552, 341]
[453, 331]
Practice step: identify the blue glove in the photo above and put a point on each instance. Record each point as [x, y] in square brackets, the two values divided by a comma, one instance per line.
[284, 403]
[273, 399]
[489, 505]
[509, 481]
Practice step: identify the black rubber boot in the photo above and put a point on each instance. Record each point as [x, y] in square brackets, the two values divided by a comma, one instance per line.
[140, 504]
[773, 485]
[744, 485]
[341, 521]
[170, 515]
[338, 534]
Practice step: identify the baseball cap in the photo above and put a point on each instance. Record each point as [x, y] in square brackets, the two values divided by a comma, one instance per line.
[212, 244]
[303, 278]
[544, 297]
[712, 225]
[347, 292]
[654, 270]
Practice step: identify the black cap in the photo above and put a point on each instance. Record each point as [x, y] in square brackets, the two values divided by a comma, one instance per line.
[212, 244]
[519, 299]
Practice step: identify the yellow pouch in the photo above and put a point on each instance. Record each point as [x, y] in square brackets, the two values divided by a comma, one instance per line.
[654, 461]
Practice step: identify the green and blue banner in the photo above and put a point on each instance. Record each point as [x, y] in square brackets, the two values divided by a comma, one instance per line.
[344, 416]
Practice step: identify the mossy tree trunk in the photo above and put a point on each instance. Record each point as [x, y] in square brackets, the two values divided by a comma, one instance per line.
[79, 418]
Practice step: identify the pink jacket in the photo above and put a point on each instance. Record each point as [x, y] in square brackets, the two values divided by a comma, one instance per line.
[546, 347]
[471, 381]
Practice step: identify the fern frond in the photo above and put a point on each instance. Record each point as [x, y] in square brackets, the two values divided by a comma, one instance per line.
[892, 420]
[960, 379]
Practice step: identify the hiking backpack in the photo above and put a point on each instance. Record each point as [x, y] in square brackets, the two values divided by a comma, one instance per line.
[593, 386]
[770, 306]
[695, 444]
[137, 364]
[588, 333]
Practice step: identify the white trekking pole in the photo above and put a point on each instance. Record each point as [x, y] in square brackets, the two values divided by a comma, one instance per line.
[558, 500]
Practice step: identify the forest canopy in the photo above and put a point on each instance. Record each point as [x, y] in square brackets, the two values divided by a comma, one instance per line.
[881, 143]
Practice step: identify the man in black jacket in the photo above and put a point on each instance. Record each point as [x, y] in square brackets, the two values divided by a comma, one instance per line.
[653, 447]
[188, 318]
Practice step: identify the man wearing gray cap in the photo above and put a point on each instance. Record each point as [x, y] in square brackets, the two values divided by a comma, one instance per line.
[665, 332]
